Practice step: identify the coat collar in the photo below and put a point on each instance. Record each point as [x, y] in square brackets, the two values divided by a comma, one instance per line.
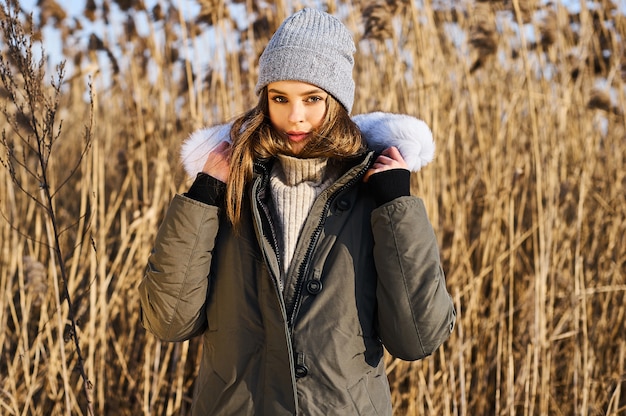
[409, 134]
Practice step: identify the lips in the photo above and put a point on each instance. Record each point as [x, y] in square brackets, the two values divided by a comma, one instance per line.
[297, 136]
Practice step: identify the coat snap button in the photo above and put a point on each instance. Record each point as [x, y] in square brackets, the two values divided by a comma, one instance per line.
[343, 205]
[314, 287]
[301, 370]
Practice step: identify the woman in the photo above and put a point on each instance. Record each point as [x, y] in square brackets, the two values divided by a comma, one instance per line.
[298, 253]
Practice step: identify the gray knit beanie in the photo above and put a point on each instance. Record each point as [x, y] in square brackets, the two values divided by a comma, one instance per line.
[313, 47]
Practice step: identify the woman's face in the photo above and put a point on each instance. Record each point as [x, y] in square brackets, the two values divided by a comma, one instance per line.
[296, 109]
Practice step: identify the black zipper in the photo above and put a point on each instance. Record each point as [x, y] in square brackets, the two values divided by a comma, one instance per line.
[268, 218]
[304, 265]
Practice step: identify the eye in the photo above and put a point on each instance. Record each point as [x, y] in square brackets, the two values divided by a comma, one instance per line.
[279, 99]
[314, 99]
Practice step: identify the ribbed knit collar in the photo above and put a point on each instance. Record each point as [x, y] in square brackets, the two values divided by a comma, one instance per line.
[295, 184]
[295, 170]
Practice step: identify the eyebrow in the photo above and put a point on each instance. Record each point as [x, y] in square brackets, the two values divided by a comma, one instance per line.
[313, 91]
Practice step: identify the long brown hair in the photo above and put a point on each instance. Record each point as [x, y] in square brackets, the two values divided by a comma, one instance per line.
[254, 138]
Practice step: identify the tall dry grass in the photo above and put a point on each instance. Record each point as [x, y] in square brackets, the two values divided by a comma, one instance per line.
[526, 194]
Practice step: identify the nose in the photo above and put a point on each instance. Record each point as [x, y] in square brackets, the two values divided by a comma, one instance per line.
[296, 112]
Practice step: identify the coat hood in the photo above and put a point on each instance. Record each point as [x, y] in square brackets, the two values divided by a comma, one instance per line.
[409, 134]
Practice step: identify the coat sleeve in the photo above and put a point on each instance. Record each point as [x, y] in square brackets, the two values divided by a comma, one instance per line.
[174, 289]
[415, 311]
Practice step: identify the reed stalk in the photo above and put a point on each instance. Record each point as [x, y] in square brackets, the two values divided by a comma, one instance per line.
[526, 194]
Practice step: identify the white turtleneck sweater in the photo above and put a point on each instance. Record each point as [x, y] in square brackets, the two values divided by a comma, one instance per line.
[295, 184]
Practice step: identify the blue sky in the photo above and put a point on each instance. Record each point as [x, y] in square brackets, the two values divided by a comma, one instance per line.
[52, 41]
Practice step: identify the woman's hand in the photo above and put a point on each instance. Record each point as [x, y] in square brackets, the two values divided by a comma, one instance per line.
[218, 162]
[390, 158]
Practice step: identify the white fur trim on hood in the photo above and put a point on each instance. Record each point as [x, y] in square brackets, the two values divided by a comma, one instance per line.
[410, 135]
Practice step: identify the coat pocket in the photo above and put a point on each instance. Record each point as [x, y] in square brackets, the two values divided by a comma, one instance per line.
[371, 395]
[209, 385]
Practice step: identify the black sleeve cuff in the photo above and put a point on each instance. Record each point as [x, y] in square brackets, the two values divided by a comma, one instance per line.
[390, 184]
[207, 189]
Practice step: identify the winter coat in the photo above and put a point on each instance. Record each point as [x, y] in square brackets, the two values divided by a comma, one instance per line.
[365, 277]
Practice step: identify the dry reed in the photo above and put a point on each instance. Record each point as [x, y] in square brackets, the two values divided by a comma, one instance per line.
[526, 195]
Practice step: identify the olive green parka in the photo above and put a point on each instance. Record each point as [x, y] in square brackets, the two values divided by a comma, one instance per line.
[363, 278]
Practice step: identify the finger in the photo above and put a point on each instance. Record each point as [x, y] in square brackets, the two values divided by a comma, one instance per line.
[384, 161]
[394, 154]
[223, 144]
[222, 148]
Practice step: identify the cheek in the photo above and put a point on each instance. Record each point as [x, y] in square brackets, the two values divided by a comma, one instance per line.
[317, 117]
[274, 116]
